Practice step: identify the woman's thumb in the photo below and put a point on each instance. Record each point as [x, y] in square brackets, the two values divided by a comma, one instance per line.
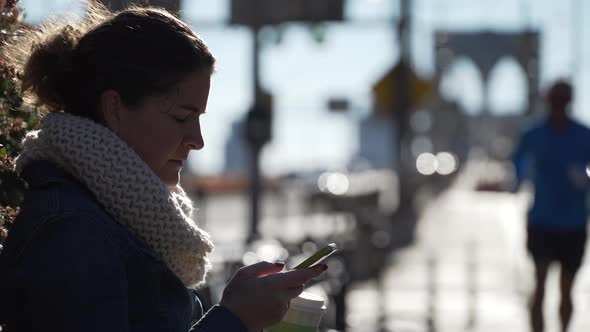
[261, 269]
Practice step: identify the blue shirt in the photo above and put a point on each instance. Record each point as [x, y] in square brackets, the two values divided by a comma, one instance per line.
[556, 160]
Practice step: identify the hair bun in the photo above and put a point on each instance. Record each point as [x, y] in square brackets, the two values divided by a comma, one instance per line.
[48, 73]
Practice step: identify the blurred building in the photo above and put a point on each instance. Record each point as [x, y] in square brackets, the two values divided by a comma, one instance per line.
[450, 131]
[486, 49]
[493, 134]
[237, 158]
[376, 137]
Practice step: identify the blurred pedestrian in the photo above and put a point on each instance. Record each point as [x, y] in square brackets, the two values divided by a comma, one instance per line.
[104, 240]
[555, 154]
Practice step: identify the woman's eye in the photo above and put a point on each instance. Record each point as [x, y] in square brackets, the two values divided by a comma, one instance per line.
[182, 119]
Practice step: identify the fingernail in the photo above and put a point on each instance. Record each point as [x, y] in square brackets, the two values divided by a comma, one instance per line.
[322, 267]
[279, 264]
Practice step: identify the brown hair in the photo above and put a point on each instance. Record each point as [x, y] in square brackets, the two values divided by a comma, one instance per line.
[137, 52]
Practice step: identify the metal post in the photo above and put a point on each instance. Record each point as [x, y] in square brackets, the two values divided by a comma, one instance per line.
[400, 113]
[402, 78]
[255, 185]
[432, 287]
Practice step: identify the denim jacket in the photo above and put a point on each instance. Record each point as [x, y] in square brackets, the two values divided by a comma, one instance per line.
[68, 266]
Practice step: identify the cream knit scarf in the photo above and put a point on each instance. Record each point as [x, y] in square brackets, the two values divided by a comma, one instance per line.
[127, 188]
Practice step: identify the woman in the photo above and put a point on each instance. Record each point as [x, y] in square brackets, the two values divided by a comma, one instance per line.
[104, 240]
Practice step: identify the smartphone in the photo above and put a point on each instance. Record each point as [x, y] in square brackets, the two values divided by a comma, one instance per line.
[318, 256]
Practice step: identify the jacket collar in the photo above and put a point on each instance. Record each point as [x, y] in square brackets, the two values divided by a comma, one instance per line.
[42, 173]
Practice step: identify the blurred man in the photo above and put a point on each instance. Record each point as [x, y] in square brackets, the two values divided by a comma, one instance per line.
[555, 154]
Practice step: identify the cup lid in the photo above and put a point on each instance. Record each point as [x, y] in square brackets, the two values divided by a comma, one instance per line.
[308, 301]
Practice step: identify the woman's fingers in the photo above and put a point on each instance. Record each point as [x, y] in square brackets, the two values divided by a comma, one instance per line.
[293, 292]
[260, 269]
[260, 295]
[295, 278]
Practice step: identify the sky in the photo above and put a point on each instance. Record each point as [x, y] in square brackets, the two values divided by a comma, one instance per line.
[303, 73]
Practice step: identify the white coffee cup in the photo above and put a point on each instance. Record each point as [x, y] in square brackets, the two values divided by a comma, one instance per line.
[304, 314]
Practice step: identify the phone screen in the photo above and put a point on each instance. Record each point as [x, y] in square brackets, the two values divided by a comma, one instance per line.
[318, 256]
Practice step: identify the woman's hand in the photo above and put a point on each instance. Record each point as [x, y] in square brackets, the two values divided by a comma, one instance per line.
[259, 295]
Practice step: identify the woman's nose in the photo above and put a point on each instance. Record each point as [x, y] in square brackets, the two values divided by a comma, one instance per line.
[195, 141]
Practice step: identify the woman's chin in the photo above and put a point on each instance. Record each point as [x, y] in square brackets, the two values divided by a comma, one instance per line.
[170, 179]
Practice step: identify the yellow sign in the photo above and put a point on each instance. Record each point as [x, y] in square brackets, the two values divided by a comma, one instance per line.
[385, 90]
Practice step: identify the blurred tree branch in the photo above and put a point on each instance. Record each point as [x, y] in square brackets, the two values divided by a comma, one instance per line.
[14, 122]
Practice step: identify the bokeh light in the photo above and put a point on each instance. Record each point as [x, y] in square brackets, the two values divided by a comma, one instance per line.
[426, 164]
[447, 163]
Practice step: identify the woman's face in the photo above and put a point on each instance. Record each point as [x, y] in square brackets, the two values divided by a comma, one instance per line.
[164, 129]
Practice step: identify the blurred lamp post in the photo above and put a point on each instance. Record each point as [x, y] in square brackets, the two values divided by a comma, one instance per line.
[400, 113]
[257, 14]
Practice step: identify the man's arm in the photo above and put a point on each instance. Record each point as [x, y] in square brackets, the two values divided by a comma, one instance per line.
[520, 161]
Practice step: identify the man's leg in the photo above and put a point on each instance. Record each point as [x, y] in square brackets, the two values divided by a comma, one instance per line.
[536, 304]
[571, 255]
[566, 283]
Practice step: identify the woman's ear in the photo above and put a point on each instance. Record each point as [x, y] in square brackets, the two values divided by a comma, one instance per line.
[110, 108]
